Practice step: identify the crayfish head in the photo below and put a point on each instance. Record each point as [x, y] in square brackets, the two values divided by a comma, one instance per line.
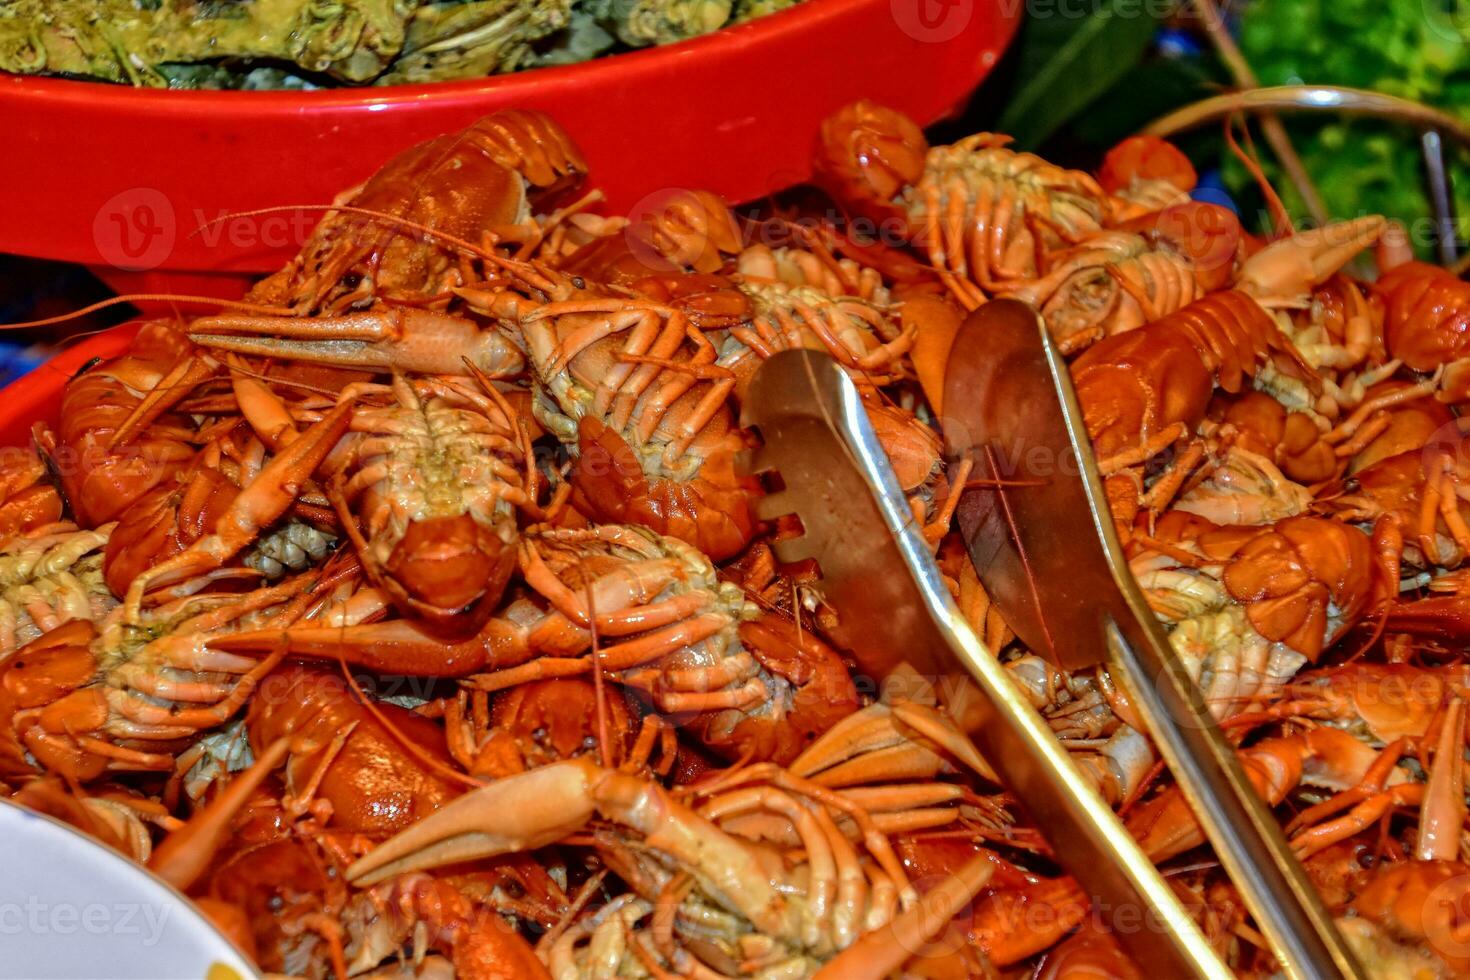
[1139, 160]
[867, 155]
[555, 719]
[446, 567]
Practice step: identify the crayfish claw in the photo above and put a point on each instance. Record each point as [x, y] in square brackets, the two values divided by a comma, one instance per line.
[387, 338]
[518, 813]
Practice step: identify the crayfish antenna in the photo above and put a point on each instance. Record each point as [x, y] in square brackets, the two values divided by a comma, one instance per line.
[599, 682]
[176, 298]
[1280, 217]
[385, 217]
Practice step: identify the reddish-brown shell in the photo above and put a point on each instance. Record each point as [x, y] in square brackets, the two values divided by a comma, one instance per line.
[374, 784]
[1426, 315]
[1146, 158]
[866, 155]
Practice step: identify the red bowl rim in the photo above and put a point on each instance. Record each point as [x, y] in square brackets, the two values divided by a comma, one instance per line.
[806, 15]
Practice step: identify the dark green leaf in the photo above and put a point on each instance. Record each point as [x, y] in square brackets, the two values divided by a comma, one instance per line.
[1070, 60]
[1146, 92]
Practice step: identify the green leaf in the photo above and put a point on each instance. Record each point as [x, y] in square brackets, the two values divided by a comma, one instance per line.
[1154, 88]
[1069, 61]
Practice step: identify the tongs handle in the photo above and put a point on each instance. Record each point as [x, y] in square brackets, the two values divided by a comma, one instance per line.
[1086, 836]
[1241, 828]
[1238, 824]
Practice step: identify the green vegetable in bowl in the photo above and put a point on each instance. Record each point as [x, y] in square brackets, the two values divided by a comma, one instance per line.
[123, 41]
[106, 39]
[639, 23]
[751, 9]
[466, 40]
[585, 38]
[303, 43]
[353, 40]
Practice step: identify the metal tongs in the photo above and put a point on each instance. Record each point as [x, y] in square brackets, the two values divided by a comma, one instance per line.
[1041, 538]
[894, 610]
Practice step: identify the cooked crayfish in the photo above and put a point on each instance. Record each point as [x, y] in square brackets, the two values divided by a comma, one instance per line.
[474, 451]
[27, 498]
[405, 239]
[84, 700]
[402, 235]
[436, 476]
[117, 438]
[653, 434]
[50, 576]
[983, 213]
[670, 629]
[676, 852]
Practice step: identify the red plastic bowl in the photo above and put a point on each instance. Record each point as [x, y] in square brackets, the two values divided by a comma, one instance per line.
[120, 179]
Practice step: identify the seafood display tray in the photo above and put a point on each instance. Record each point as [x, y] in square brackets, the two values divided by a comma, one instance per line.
[592, 548]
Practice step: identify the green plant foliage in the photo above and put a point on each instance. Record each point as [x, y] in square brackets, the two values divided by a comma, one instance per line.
[1417, 49]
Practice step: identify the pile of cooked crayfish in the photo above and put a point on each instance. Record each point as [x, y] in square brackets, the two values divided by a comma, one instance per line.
[411, 614]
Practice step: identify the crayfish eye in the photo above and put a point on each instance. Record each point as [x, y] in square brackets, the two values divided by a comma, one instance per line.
[579, 282]
[589, 743]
